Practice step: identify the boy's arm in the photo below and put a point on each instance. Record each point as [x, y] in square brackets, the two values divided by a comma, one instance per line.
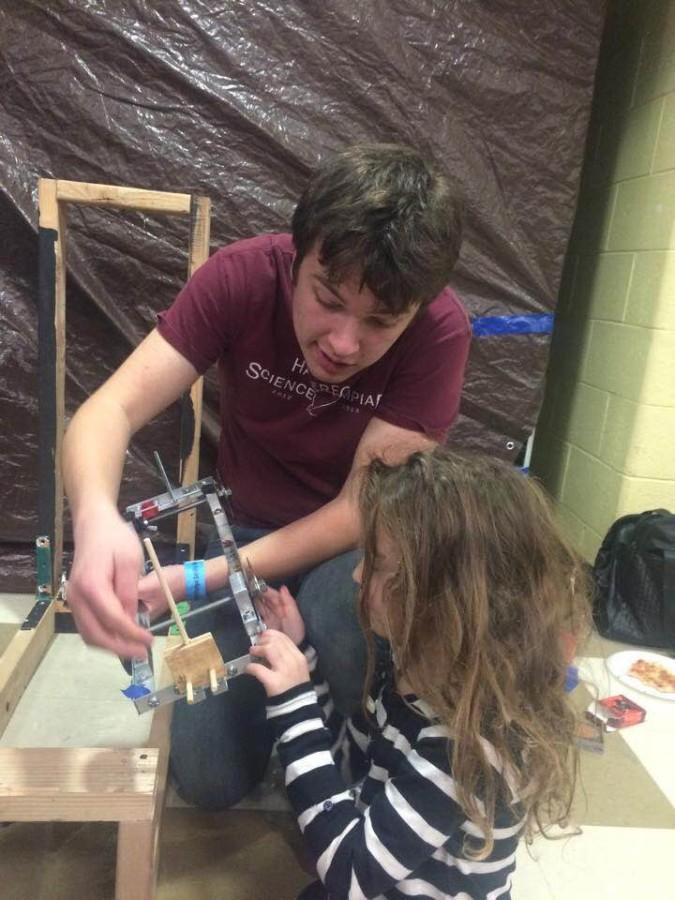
[330, 530]
[102, 584]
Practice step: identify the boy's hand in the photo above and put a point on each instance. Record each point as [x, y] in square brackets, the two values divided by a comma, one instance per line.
[102, 584]
[279, 611]
[287, 665]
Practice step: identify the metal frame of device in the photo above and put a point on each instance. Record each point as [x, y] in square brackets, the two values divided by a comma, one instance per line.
[244, 587]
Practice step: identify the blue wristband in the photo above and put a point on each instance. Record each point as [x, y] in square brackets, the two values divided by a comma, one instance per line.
[195, 579]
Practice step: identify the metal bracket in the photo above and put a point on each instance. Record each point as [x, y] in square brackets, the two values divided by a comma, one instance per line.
[171, 693]
[43, 590]
[37, 611]
[43, 560]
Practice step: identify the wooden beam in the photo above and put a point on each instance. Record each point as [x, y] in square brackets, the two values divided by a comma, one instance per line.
[54, 194]
[138, 842]
[66, 784]
[200, 234]
[88, 194]
[19, 662]
[137, 860]
[52, 360]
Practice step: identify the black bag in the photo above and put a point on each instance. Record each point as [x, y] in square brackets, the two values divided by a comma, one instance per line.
[634, 576]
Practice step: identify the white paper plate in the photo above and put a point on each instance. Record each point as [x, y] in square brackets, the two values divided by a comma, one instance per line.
[619, 664]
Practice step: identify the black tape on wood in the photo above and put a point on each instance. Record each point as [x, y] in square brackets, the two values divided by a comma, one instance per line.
[47, 238]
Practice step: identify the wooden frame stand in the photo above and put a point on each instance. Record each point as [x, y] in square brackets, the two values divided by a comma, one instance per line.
[87, 784]
[96, 785]
[54, 196]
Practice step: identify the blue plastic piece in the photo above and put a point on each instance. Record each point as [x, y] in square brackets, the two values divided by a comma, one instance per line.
[134, 691]
[572, 679]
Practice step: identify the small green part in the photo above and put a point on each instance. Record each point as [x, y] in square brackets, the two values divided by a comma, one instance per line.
[182, 607]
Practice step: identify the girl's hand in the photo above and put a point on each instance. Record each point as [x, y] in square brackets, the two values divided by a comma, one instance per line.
[286, 665]
[279, 611]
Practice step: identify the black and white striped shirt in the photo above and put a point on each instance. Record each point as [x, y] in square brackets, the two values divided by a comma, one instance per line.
[399, 831]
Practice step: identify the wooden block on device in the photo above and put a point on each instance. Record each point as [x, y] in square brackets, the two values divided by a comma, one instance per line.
[194, 661]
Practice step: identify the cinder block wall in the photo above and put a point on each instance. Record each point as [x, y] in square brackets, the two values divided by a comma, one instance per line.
[605, 441]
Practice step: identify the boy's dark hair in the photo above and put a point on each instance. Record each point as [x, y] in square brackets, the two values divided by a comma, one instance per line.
[382, 212]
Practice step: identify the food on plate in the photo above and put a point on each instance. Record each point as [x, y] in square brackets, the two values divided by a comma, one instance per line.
[653, 675]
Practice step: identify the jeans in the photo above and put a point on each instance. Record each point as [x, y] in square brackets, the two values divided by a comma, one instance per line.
[220, 747]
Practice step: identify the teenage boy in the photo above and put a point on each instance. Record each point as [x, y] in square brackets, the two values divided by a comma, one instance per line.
[333, 344]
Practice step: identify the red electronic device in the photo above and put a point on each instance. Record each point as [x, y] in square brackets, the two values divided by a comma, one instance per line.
[616, 712]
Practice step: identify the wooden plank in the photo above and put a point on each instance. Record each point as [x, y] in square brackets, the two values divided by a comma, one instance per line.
[137, 860]
[200, 235]
[53, 195]
[138, 842]
[110, 195]
[48, 205]
[60, 330]
[52, 344]
[66, 784]
[186, 525]
[19, 662]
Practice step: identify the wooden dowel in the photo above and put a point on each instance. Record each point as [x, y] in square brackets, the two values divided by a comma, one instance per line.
[168, 596]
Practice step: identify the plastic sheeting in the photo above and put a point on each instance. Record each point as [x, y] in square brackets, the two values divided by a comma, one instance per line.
[238, 100]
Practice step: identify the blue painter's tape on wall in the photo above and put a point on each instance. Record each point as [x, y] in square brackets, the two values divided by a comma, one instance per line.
[485, 326]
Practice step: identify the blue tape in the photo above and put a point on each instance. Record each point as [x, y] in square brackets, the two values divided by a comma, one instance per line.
[134, 691]
[540, 323]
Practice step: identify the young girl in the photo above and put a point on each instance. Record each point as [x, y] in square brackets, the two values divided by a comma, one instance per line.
[466, 741]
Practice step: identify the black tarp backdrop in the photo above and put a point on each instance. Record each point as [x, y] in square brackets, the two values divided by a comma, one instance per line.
[238, 101]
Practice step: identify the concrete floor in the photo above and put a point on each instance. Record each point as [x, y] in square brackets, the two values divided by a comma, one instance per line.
[625, 807]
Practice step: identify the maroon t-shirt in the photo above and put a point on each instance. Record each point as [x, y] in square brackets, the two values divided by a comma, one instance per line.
[287, 441]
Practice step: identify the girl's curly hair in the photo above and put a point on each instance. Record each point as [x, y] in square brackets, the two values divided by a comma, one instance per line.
[482, 609]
